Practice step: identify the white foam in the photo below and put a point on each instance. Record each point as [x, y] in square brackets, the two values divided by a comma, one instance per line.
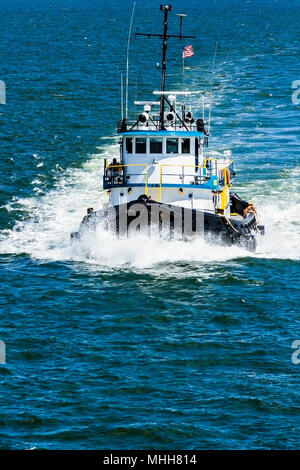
[143, 252]
[282, 238]
[50, 217]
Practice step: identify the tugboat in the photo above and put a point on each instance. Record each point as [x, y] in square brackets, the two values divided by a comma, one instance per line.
[164, 183]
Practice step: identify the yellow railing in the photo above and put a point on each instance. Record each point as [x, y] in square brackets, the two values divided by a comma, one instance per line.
[204, 166]
[172, 164]
[224, 195]
[133, 164]
[210, 160]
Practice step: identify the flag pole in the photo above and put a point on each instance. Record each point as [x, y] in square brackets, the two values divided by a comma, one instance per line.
[187, 51]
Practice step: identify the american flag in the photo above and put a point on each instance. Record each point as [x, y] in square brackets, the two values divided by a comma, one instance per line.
[188, 51]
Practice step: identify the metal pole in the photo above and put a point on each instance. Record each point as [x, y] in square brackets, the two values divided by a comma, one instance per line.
[181, 15]
[163, 67]
[122, 98]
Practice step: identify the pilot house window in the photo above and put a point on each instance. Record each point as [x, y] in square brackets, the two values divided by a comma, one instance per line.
[140, 145]
[155, 145]
[185, 146]
[129, 145]
[172, 145]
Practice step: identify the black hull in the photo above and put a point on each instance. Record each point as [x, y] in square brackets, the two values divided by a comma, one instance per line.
[169, 222]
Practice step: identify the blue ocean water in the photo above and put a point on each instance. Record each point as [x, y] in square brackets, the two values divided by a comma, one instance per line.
[145, 344]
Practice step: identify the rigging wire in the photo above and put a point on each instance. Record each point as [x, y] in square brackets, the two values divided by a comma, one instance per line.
[227, 10]
[127, 60]
[211, 85]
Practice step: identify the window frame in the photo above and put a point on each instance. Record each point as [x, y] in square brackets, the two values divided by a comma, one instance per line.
[141, 138]
[132, 145]
[161, 140]
[178, 142]
[190, 143]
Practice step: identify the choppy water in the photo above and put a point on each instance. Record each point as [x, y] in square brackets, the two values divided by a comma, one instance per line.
[144, 343]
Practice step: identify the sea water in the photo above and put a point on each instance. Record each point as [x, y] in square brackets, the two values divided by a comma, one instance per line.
[146, 343]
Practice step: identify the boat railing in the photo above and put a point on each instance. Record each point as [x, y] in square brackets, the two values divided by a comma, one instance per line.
[116, 175]
[224, 194]
[200, 175]
[154, 125]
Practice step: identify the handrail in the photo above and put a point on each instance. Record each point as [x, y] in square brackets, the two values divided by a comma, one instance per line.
[224, 196]
[224, 193]
[121, 165]
[210, 160]
[173, 164]
[132, 124]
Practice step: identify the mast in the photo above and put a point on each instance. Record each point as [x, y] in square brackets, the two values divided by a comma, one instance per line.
[165, 36]
[163, 64]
